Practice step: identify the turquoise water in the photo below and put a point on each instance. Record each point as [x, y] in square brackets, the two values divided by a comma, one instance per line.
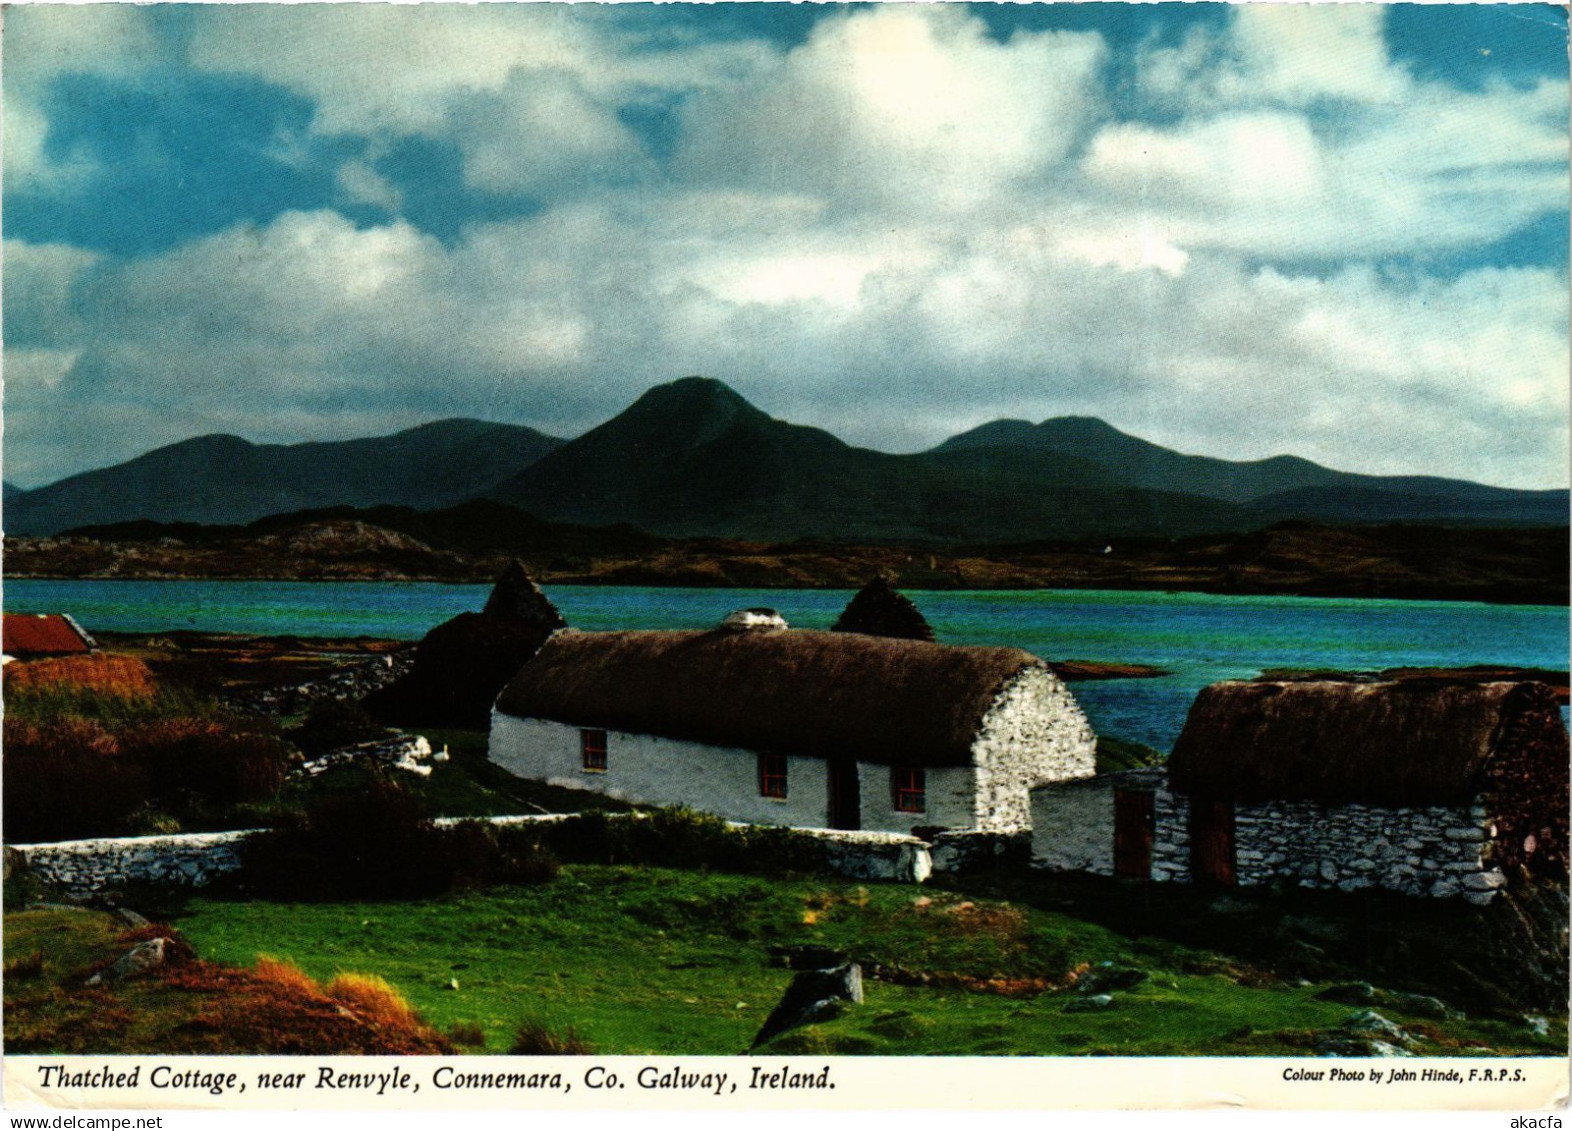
[1199, 638]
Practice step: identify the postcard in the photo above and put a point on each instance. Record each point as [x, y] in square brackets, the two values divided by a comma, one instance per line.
[760, 557]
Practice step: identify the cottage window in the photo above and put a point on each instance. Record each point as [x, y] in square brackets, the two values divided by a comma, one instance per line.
[909, 789]
[592, 744]
[772, 776]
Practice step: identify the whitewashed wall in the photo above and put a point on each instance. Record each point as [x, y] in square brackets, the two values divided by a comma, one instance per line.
[1073, 826]
[87, 868]
[661, 771]
[1034, 733]
[950, 799]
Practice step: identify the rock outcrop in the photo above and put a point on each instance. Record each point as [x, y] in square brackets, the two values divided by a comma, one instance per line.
[462, 664]
[879, 610]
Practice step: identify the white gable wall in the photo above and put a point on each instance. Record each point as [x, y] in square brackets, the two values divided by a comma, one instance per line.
[1034, 733]
[662, 771]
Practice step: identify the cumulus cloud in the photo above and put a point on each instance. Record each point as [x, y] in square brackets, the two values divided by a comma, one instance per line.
[46, 40]
[898, 228]
[899, 104]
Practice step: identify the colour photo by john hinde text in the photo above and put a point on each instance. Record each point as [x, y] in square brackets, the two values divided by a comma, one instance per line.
[774, 553]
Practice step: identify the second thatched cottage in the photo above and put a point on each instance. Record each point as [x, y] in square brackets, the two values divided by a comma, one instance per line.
[1428, 787]
[760, 723]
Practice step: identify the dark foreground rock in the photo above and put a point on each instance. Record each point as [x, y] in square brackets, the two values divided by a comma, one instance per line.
[814, 995]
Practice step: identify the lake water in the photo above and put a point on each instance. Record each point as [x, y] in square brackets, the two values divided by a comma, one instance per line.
[1199, 638]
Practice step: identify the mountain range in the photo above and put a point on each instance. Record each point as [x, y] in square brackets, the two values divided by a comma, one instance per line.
[225, 480]
[693, 458]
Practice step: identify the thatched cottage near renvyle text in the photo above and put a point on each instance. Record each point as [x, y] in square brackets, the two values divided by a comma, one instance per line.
[760, 723]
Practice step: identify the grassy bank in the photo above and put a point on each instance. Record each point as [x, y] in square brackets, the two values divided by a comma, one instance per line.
[660, 961]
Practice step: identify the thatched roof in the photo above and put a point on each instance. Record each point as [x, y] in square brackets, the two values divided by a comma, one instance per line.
[1399, 743]
[826, 694]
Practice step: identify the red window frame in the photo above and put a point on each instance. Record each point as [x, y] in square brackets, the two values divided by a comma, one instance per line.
[592, 750]
[772, 776]
[909, 789]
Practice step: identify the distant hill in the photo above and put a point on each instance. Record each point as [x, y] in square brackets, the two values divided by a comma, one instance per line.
[1276, 489]
[472, 541]
[693, 458]
[226, 480]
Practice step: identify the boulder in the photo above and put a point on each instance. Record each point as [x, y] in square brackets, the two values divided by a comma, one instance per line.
[1106, 976]
[1349, 993]
[814, 995]
[1370, 1025]
[131, 918]
[141, 959]
[1421, 1005]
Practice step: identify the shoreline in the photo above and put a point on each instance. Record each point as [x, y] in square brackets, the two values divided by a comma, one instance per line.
[1354, 592]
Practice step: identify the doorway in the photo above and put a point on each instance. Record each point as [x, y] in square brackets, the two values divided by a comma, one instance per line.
[845, 796]
[1134, 823]
[1212, 842]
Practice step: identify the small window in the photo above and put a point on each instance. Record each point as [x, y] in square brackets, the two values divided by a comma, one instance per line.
[909, 790]
[592, 743]
[772, 776]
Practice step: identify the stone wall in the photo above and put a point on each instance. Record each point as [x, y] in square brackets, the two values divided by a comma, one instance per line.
[85, 868]
[347, 684]
[1033, 733]
[1434, 851]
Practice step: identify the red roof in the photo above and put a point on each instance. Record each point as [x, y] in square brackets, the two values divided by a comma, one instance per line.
[42, 634]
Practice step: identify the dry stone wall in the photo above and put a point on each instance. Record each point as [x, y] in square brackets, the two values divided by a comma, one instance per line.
[85, 867]
[345, 685]
[1435, 851]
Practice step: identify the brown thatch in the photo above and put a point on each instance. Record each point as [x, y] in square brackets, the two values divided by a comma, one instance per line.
[879, 609]
[824, 694]
[1400, 743]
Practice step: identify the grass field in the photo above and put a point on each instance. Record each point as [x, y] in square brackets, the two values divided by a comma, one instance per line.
[659, 961]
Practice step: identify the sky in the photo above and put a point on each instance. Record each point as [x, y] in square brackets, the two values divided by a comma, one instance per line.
[1339, 231]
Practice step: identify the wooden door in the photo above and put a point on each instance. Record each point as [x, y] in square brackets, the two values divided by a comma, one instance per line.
[1212, 841]
[1134, 823]
[845, 796]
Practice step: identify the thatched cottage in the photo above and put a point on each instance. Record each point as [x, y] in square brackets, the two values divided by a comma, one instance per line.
[759, 723]
[1425, 787]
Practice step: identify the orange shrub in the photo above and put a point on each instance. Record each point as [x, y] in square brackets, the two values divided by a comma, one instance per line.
[375, 1000]
[120, 676]
[284, 975]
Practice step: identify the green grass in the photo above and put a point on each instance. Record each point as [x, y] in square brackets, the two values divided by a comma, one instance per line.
[643, 961]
